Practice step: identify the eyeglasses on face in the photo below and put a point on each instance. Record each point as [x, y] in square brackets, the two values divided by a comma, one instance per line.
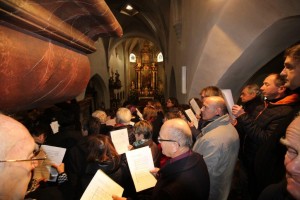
[163, 140]
[35, 154]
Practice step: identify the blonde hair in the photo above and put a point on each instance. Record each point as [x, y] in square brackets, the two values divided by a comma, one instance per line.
[101, 115]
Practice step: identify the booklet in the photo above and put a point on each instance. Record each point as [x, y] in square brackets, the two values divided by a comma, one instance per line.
[140, 163]
[102, 187]
[55, 156]
[192, 117]
[229, 101]
[120, 140]
[195, 106]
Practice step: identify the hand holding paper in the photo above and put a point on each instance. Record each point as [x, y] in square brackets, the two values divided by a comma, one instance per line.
[229, 101]
[140, 163]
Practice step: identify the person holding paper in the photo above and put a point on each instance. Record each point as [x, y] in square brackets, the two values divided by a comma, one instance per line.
[143, 135]
[123, 120]
[262, 134]
[205, 92]
[291, 137]
[185, 175]
[251, 98]
[219, 146]
[41, 188]
[101, 154]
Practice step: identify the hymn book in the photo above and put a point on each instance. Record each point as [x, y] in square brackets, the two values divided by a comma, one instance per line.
[191, 117]
[195, 106]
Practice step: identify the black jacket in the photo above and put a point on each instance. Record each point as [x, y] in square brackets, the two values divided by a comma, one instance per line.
[186, 178]
[268, 120]
[269, 163]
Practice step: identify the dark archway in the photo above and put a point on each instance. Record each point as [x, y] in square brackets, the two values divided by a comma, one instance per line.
[97, 91]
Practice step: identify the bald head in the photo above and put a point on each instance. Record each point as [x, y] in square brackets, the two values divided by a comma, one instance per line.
[12, 135]
[16, 143]
[177, 129]
[213, 106]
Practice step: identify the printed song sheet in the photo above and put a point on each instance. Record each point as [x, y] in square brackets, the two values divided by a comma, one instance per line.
[195, 106]
[54, 155]
[101, 187]
[140, 163]
[192, 117]
[229, 101]
[120, 140]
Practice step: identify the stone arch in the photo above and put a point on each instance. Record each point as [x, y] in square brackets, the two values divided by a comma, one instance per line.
[98, 92]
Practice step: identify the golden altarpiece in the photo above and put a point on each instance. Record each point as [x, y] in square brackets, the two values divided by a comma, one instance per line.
[145, 83]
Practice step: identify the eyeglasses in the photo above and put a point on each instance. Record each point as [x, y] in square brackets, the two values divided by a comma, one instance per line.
[163, 140]
[35, 154]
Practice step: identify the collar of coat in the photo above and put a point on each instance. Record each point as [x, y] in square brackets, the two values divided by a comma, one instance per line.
[221, 120]
[287, 100]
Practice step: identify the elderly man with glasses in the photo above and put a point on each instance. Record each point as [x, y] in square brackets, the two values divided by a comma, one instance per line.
[17, 158]
[185, 175]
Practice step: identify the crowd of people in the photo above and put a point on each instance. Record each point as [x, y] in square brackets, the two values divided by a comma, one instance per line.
[259, 143]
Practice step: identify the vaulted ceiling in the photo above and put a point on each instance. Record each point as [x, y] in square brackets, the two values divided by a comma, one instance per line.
[151, 22]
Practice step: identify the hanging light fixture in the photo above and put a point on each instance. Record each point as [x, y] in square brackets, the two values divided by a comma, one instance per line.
[129, 9]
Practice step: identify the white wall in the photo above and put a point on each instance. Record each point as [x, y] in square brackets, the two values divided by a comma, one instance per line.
[216, 33]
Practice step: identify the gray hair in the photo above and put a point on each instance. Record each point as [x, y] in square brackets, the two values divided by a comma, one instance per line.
[180, 131]
[123, 116]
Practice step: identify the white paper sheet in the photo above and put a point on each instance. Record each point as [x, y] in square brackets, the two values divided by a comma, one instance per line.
[102, 187]
[54, 126]
[55, 155]
[195, 106]
[140, 163]
[192, 117]
[229, 101]
[120, 140]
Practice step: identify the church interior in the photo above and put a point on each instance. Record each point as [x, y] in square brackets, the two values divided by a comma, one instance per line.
[103, 53]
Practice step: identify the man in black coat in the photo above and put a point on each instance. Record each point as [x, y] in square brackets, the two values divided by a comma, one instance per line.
[185, 175]
[290, 186]
[262, 130]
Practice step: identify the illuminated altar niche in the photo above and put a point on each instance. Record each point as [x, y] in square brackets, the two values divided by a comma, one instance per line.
[146, 73]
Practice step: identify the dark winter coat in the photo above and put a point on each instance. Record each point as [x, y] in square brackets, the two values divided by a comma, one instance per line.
[186, 178]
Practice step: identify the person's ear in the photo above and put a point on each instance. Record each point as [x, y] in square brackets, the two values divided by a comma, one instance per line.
[175, 146]
[253, 95]
[218, 111]
[281, 89]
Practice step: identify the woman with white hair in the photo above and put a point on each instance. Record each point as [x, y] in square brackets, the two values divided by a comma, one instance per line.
[102, 116]
[123, 120]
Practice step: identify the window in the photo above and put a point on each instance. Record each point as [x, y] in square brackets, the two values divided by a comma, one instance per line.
[160, 57]
[132, 58]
